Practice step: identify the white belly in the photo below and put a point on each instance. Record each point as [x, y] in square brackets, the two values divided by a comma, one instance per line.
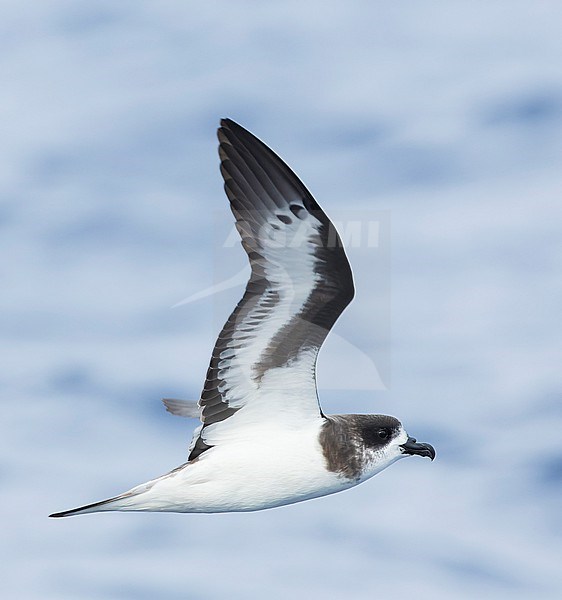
[247, 475]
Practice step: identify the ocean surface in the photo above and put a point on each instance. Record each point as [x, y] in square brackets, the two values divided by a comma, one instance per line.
[432, 133]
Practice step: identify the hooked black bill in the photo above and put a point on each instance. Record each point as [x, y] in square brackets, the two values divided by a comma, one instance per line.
[412, 446]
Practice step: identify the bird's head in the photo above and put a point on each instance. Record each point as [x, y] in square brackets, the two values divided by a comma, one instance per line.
[387, 440]
[359, 446]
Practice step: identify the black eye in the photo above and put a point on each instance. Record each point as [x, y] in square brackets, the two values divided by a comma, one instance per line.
[383, 433]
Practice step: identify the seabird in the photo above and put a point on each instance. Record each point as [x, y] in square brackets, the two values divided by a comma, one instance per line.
[263, 440]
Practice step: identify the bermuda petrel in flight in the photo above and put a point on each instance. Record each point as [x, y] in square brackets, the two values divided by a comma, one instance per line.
[264, 440]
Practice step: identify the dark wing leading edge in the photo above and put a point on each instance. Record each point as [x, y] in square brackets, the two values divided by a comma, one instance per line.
[263, 365]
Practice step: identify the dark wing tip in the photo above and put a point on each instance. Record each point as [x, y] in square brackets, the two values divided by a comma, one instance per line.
[65, 513]
[77, 511]
[226, 126]
[229, 124]
[89, 508]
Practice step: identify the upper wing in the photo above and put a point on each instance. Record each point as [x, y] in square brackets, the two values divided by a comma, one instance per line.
[263, 364]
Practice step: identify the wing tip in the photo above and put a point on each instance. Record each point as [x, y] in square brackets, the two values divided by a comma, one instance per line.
[228, 124]
[114, 503]
[77, 511]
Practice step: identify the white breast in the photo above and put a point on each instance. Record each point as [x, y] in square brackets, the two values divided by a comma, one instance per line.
[270, 468]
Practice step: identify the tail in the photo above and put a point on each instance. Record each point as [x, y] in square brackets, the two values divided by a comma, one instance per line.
[182, 408]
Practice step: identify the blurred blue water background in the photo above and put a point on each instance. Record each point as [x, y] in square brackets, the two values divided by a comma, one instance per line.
[447, 117]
